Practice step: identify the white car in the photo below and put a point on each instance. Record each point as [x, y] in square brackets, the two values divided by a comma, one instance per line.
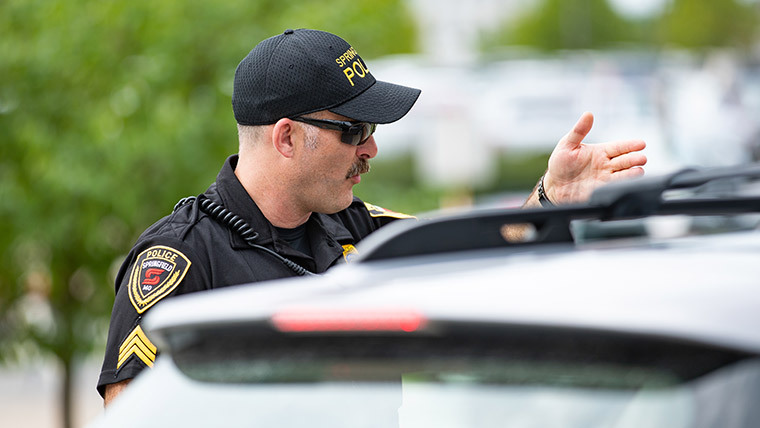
[445, 323]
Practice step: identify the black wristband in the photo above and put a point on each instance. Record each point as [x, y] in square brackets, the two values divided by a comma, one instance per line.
[542, 198]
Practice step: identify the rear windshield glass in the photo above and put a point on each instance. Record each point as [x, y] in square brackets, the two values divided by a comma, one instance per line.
[530, 379]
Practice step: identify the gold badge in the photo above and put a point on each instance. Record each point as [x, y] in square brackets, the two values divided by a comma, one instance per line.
[376, 211]
[156, 273]
[349, 251]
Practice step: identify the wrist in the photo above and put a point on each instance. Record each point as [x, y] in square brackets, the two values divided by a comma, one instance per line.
[543, 197]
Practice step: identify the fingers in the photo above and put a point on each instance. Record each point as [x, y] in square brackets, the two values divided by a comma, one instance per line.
[628, 160]
[617, 148]
[575, 137]
[628, 173]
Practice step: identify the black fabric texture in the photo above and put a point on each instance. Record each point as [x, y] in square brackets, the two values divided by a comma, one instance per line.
[303, 71]
[297, 238]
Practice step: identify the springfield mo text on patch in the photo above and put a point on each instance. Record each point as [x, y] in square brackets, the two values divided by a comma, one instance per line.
[156, 273]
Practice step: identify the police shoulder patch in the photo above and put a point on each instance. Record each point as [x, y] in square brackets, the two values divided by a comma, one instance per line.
[156, 273]
[376, 211]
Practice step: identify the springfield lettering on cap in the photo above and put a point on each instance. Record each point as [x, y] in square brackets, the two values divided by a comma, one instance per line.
[354, 68]
[156, 273]
[303, 71]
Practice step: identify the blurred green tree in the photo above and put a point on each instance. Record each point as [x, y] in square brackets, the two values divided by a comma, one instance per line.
[593, 24]
[110, 111]
[698, 24]
[563, 24]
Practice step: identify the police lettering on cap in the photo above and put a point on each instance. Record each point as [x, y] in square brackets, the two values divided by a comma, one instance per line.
[303, 71]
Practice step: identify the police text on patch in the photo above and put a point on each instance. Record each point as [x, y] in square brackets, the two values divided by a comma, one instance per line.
[354, 66]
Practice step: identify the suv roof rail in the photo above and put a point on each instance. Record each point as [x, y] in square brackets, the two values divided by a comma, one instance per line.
[629, 199]
[644, 196]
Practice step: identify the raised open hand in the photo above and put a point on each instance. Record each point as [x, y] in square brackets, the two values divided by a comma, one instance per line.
[576, 168]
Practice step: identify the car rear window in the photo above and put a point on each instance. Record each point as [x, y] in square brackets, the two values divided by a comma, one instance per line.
[475, 376]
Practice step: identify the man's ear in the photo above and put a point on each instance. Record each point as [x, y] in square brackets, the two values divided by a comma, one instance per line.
[282, 137]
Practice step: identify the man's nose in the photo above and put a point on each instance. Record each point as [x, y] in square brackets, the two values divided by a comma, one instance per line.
[368, 150]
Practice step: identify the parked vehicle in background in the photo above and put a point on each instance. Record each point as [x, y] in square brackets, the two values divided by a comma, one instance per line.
[603, 317]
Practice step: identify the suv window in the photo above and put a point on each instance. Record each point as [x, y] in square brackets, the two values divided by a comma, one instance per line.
[476, 375]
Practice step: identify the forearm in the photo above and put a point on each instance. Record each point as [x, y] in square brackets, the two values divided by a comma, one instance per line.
[532, 200]
[114, 390]
[522, 232]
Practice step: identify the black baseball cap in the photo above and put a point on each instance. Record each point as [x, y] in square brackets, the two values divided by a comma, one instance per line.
[303, 71]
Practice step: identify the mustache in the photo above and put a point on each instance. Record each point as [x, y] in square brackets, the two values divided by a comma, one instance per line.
[361, 166]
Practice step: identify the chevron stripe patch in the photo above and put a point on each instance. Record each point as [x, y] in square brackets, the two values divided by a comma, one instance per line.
[137, 343]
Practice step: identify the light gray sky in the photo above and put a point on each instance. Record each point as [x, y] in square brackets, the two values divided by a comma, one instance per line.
[638, 8]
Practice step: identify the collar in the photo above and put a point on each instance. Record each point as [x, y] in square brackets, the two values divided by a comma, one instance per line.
[323, 229]
[230, 192]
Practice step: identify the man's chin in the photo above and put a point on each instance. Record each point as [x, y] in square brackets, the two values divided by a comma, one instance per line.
[339, 205]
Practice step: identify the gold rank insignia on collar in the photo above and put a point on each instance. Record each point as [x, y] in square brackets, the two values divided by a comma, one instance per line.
[349, 251]
[376, 211]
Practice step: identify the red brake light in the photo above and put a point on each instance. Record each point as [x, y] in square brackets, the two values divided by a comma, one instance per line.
[342, 320]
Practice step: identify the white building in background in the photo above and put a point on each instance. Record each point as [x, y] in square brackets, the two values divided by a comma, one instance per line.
[690, 112]
[450, 30]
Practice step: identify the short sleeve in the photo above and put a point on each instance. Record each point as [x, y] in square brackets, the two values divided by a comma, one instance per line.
[154, 270]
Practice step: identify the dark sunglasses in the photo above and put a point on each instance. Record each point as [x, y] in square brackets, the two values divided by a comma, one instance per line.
[353, 133]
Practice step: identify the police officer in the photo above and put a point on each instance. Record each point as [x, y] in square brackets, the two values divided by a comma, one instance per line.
[306, 106]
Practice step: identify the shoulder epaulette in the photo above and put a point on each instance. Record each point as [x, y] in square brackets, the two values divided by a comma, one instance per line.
[376, 211]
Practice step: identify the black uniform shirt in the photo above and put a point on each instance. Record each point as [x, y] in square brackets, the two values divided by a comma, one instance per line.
[188, 251]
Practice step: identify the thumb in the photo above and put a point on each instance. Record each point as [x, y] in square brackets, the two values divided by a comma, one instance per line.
[574, 138]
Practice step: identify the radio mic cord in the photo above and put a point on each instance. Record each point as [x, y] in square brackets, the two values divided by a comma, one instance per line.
[229, 219]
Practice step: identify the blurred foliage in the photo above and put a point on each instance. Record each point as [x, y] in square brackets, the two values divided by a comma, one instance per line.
[394, 182]
[709, 23]
[517, 172]
[110, 111]
[564, 24]
[593, 24]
